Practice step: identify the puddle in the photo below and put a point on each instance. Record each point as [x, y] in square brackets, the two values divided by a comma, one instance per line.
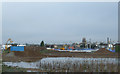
[22, 64]
[31, 71]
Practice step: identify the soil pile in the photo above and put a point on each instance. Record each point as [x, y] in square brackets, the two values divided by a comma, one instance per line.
[11, 54]
[29, 51]
[103, 51]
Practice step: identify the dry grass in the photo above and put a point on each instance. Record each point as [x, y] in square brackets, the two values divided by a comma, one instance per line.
[86, 66]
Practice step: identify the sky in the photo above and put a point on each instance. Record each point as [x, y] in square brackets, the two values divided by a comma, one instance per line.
[0, 23]
[59, 22]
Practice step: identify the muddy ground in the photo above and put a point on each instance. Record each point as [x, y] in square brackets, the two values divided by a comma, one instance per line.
[31, 54]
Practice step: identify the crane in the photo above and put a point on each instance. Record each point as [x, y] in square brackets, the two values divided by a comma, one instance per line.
[7, 43]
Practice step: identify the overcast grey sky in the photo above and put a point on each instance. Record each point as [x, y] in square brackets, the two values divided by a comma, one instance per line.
[59, 22]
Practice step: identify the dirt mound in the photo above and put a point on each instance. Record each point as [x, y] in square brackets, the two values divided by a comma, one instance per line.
[11, 54]
[103, 51]
[29, 51]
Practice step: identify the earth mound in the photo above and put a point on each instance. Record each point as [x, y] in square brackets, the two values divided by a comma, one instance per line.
[29, 51]
[103, 51]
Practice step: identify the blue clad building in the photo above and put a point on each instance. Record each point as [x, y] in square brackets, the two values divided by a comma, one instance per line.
[17, 48]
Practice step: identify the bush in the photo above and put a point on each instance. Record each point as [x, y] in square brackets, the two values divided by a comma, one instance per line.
[117, 48]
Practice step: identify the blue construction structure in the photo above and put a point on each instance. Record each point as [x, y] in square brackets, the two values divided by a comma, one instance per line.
[17, 48]
[111, 50]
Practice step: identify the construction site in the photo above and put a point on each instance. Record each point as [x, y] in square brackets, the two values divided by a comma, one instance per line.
[30, 53]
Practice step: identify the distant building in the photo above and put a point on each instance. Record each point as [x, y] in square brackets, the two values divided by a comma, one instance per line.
[103, 45]
[71, 48]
